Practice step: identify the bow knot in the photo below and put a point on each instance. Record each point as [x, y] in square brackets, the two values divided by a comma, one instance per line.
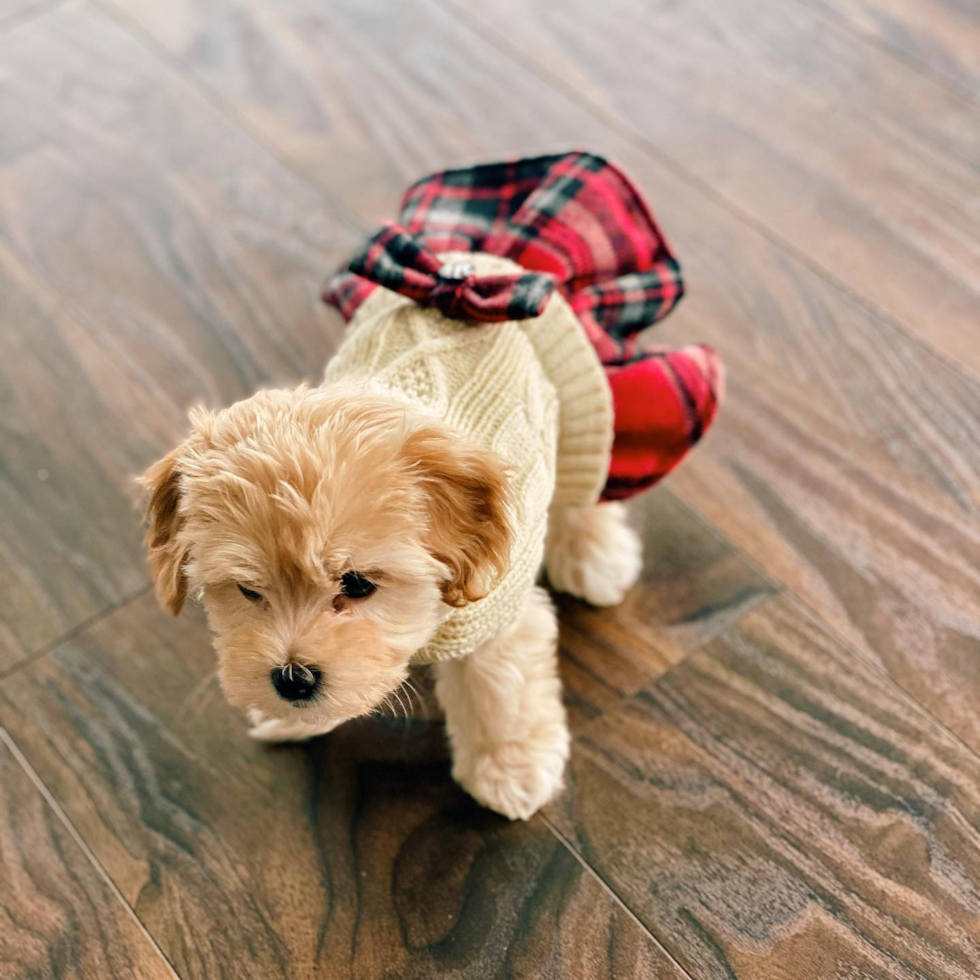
[451, 295]
[397, 261]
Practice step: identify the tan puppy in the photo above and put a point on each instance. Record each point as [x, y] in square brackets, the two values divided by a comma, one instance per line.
[490, 390]
[330, 532]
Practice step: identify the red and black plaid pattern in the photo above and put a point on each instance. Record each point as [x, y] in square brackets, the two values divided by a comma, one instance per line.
[578, 219]
[400, 262]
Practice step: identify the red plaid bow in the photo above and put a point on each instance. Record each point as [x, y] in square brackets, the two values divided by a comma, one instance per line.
[399, 262]
[579, 220]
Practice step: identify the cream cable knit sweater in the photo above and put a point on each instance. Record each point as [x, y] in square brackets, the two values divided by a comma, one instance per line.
[533, 391]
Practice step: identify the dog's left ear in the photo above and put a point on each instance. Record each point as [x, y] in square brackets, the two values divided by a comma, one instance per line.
[469, 530]
[167, 558]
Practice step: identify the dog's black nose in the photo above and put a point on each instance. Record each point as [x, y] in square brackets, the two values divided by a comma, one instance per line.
[294, 682]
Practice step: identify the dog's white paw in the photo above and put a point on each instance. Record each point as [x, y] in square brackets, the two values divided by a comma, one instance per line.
[594, 554]
[516, 780]
[274, 730]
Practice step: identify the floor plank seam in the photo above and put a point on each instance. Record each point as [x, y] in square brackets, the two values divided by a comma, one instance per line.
[716, 532]
[812, 614]
[879, 671]
[619, 126]
[56, 808]
[705, 798]
[611, 892]
[750, 609]
[860, 667]
[625, 130]
[75, 631]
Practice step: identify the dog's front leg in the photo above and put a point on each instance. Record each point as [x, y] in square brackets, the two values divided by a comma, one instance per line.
[505, 716]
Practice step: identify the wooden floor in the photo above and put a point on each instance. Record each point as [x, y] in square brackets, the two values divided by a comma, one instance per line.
[776, 769]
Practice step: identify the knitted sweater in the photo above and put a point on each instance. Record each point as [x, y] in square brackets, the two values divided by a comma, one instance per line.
[532, 391]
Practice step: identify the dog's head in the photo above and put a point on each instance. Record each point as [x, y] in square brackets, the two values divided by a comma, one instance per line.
[328, 533]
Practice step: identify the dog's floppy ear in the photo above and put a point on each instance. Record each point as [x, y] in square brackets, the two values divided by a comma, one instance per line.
[167, 558]
[469, 530]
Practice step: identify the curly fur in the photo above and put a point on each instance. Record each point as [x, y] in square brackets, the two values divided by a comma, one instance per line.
[288, 490]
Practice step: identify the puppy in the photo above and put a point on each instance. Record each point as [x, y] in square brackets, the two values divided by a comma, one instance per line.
[488, 401]
[330, 533]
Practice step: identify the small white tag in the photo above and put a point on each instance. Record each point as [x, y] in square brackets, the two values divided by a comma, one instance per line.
[457, 270]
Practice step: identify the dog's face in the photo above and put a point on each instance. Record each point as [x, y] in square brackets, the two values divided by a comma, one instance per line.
[328, 533]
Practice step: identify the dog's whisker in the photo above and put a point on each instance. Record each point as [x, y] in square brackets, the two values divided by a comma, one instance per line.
[381, 706]
[405, 710]
[396, 706]
[412, 692]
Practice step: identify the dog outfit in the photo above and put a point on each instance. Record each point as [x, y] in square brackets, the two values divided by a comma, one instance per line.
[507, 302]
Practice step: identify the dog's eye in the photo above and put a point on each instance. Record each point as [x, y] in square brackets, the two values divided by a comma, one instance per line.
[356, 586]
[250, 594]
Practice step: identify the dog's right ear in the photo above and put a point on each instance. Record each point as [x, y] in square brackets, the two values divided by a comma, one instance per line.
[469, 529]
[167, 557]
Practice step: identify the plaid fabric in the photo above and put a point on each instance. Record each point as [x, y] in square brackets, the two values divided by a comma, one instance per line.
[400, 262]
[578, 219]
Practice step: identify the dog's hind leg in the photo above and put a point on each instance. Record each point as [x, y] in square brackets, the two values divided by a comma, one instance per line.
[505, 716]
[592, 553]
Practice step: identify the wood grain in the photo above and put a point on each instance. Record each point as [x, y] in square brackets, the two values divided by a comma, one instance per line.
[849, 155]
[178, 177]
[58, 916]
[153, 256]
[846, 450]
[845, 153]
[772, 809]
[62, 478]
[693, 587]
[881, 538]
[354, 856]
[942, 35]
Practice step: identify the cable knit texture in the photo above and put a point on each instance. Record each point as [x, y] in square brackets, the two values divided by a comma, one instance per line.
[533, 391]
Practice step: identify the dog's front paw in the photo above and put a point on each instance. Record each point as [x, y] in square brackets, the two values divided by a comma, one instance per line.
[275, 730]
[515, 780]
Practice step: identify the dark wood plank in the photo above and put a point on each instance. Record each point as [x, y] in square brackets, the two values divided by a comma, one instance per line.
[856, 159]
[942, 35]
[68, 455]
[59, 918]
[693, 587]
[773, 809]
[846, 452]
[153, 256]
[880, 537]
[853, 157]
[353, 856]
[195, 830]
